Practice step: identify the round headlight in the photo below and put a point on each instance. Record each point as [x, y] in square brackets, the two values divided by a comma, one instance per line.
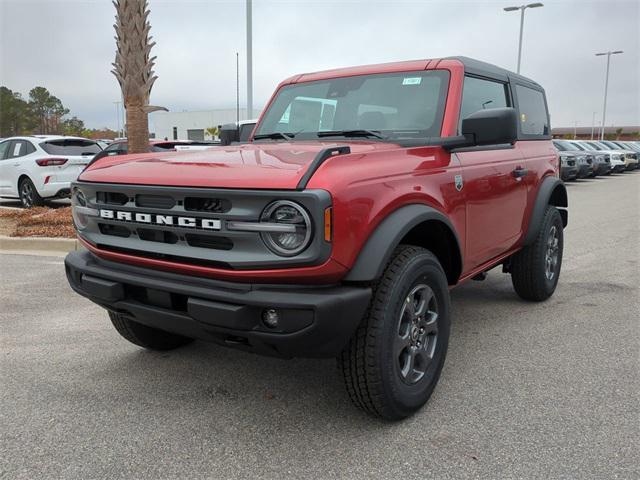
[295, 233]
[80, 211]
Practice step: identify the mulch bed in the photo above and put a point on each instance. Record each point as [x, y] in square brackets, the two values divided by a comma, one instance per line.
[37, 222]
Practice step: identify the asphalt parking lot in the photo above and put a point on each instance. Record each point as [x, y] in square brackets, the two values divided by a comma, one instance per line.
[546, 390]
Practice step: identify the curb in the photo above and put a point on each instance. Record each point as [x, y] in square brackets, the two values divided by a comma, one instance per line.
[40, 245]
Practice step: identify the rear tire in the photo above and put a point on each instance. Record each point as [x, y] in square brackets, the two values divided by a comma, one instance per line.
[535, 269]
[147, 337]
[393, 361]
[29, 196]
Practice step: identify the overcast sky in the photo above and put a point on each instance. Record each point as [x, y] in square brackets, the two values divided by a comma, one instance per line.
[68, 46]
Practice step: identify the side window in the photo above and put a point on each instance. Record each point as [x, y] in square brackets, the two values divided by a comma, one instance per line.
[480, 94]
[533, 111]
[29, 148]
[4, 148]
[18, 149]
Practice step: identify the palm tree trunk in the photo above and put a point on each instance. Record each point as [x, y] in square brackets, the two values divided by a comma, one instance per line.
[133, 67]
[137, 128]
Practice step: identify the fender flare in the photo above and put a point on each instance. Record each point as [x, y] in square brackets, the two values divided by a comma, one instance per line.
[378, 248]
[552, 191]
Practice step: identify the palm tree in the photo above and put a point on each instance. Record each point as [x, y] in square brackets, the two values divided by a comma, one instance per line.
[133, 67]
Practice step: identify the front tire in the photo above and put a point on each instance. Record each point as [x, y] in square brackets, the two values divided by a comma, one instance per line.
[147, 337]
[535, 269]
[29, 196]
[393, 361]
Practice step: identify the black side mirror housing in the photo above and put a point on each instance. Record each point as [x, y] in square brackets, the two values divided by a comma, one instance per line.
[493, 126]
[229, 133]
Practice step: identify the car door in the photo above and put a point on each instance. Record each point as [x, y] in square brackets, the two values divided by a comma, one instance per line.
[494, 181]
[5, 168]
[18, 162]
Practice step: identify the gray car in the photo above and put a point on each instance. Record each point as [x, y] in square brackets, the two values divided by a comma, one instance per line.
[571, 156]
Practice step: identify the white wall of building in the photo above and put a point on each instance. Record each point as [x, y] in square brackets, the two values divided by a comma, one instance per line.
[189, 125]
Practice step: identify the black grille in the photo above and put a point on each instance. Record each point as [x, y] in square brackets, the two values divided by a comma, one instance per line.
[203, 204]
[206, 241]
[159, 236]
[155, 201]
[114, 230]
[111, 198]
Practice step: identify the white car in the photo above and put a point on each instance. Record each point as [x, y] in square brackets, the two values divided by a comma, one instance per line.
[616, 157]
[39, 167]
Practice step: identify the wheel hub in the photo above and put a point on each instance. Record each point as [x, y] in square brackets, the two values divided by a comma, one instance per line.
[552, 253]
[417, 333]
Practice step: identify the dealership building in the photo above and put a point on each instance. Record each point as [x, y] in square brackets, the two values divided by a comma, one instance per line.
[192, 125]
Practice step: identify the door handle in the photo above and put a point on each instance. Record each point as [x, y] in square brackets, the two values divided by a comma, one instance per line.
[520, 172]
[16, 164]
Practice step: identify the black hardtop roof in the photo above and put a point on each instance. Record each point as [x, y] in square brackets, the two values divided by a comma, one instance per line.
[484, 69]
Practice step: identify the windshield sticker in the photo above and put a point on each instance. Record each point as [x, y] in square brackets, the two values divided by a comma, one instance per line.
[412, 81]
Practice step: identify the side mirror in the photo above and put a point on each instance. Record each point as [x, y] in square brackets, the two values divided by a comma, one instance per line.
[229, 133]
[493, 126]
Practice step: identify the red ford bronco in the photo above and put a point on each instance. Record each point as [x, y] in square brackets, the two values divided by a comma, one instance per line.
[362, 197]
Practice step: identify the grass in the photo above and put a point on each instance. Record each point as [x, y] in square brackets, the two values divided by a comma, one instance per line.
[38, 222]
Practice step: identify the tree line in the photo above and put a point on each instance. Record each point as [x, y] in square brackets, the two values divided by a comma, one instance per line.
[42, 113]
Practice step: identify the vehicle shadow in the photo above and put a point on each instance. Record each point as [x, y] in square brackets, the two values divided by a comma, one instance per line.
[217, 381]
[15, 203]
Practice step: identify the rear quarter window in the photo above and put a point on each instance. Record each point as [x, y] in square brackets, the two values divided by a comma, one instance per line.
[534, 120]
[71, 147]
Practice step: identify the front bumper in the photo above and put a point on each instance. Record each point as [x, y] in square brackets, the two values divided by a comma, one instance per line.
[585, 170]
[602, 168]
[315, 321]
[568, 172]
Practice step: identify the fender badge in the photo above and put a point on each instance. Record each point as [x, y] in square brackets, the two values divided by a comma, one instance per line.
[459, 182]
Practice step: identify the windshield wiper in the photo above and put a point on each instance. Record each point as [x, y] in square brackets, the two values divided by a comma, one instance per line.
[352, 133]
[275, 136]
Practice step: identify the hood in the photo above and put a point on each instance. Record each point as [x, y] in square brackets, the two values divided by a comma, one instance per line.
[261, 165]
[568, 153]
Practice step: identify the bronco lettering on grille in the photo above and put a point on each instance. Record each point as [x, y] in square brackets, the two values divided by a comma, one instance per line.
[156, 219]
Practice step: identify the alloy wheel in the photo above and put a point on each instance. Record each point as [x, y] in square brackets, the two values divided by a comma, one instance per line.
[26, 193]
[551, 254]
[417, 334]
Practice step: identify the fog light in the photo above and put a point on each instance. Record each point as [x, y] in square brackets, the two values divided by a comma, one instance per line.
[270, 318]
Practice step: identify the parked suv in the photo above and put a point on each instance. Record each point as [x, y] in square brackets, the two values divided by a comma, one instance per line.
[40, 167]
[616, 158]
[573, 163]
[365, 195]
[600, 163]
[630, 156]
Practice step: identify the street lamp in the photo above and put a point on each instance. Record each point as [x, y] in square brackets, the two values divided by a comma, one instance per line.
[249, 8]
[606, 86]
[522, 8]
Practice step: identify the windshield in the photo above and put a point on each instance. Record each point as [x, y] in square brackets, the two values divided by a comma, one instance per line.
[71, 147]
[586, 146]
[610, 145]
[397, 105]
[566, 146]
[596, 146]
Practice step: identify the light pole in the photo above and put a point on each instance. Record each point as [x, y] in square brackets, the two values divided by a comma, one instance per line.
[606, 86]
[117, 104]
[522, 8]
[249, 62]
[593, 124]
[237, 90]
